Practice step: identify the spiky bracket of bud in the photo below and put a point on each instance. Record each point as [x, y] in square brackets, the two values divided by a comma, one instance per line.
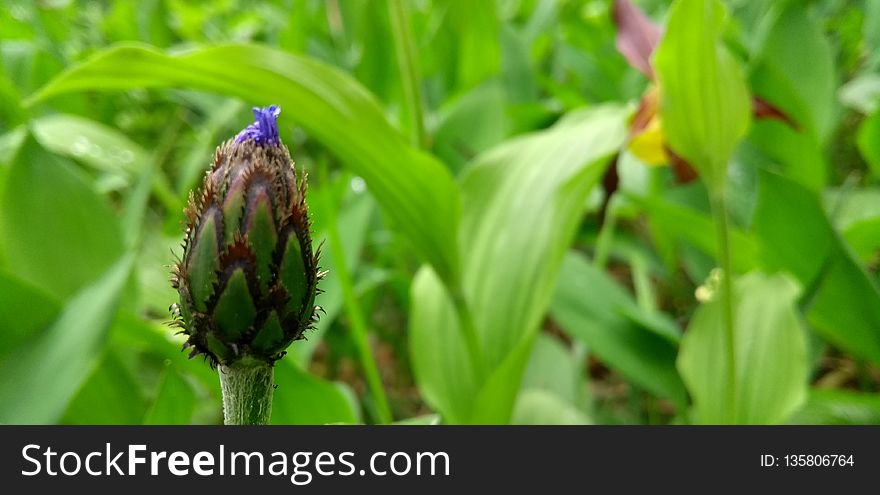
[248, 277]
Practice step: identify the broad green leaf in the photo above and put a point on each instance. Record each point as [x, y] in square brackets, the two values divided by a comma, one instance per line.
[553, 367]
[838, 407]
[414, 189]
[771, 355]
[775, 146]
[174, 402]
[90, 142]
[55, 231]
[110, 396]
[856, 214]
[522, 200]
[592, 308]
[496, 399]
[24, 311]
[553, 388]
[705, 103]
[542, 407]
[802, 90]
[437, 350]
[846, 307]
[796, 236]
[43, 374]
[303, 399]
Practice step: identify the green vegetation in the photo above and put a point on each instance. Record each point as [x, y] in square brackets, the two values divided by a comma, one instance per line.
[532, 211]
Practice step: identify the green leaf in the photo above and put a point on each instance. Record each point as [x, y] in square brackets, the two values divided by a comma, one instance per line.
[554, 368]
[44, 373]
[856, 214]
[839, 407]
[440, 360]
[523, 200]
[496, 399]
[594, 309]
[90, 142]
[414, 189]
[775, 146]
[846, 307]
[304, 399]
[542, 407]
[705, 103]
[869, 142]
[796, 236]
[426, 420]
[553, 387]
[771, 355]
[24, 310]
[110, 396]
[802, 90]
[175, 400]
[55, 231]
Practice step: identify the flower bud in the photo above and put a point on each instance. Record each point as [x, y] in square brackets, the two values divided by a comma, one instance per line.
[248, 277]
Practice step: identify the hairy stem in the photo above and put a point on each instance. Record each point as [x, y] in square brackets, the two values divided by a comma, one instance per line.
[247, 393]
[719, 213]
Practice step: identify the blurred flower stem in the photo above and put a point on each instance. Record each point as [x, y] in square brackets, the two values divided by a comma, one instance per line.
[718, 204]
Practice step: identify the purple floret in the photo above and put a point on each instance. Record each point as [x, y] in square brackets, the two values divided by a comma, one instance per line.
[265, 129]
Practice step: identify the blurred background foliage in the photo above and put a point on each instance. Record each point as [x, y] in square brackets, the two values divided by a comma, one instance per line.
[492, 256]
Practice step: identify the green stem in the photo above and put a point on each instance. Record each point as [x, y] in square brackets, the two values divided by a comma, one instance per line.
[606, 234]
[247, 393]
[409, 72]
[719, 212]
[357, 321]
[641, 277]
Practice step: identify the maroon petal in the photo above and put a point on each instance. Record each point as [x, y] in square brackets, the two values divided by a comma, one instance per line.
[762, 109]
[637, 36]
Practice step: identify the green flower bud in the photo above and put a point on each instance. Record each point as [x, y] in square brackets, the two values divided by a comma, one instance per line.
[248, 277]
